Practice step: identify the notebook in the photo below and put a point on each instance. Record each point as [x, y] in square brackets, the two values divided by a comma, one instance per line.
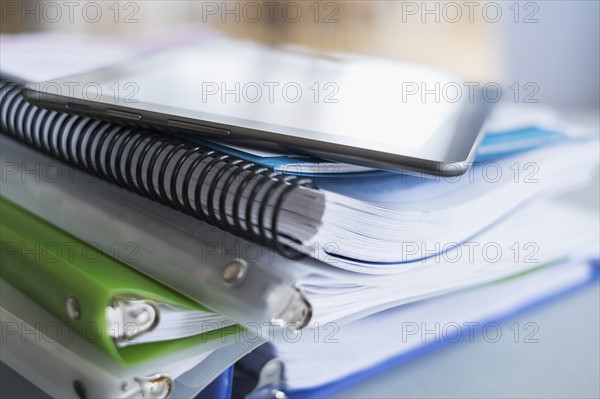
[60, 362]
[361, 225]
[130, 316]
[275, 289]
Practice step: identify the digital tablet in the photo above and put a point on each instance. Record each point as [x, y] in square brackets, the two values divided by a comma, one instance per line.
[363, 110]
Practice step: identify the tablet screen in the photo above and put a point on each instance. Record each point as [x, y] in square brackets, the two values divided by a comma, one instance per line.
[355, 101]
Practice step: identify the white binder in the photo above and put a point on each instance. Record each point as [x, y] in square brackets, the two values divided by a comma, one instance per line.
[245, 281]
[254, 285]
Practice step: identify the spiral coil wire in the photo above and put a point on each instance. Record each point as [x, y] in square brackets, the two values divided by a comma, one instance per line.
[172, 171]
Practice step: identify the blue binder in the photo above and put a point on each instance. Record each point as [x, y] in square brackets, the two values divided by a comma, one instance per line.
[220, 388]
[268, 392]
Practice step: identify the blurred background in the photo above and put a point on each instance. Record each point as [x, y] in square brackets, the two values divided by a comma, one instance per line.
[544, 51]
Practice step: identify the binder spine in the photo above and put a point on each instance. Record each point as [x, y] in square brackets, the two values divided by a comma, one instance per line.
[172, 171]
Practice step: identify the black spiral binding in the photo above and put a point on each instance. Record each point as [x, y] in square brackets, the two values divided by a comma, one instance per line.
[137, 159]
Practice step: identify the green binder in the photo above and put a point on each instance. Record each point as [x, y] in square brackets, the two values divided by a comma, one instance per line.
[121, 310]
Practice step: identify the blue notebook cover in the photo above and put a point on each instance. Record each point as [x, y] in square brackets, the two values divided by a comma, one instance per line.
[495, 145]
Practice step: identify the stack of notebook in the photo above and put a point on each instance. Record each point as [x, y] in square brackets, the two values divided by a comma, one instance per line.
[148, 264]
